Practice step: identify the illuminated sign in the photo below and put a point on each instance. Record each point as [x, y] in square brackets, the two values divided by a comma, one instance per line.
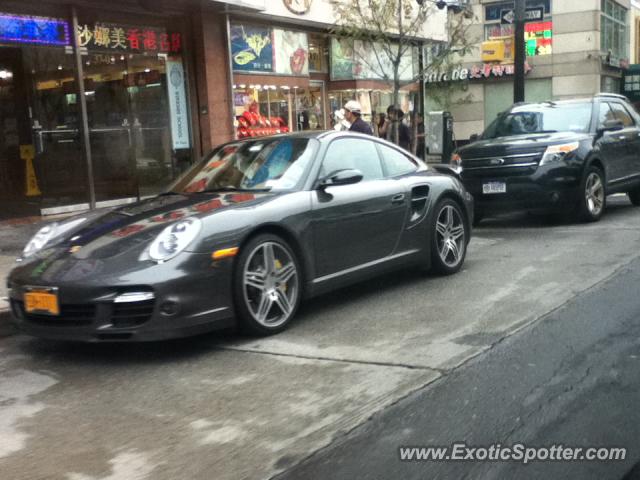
[36, 30]
[102, 36]
[538, 38]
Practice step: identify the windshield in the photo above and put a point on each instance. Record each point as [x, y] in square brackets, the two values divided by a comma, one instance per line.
[541, 118]
[265, 164]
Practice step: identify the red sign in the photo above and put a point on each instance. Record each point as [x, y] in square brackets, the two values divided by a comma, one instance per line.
[120, 38]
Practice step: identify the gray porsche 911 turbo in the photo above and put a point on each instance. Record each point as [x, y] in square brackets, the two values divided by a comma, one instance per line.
[241, 238]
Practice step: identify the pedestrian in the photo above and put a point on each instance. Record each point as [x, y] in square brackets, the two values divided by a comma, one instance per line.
[396, 131]
[340, 123]
[420, 137]
[353, 114]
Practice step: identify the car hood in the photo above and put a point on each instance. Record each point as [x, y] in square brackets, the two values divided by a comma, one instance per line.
[134, 226]
[516, 144]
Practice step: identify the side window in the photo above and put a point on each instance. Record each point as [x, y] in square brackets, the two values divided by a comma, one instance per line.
[605, 115]
[621, 114]
[396, 163]
[353, 153]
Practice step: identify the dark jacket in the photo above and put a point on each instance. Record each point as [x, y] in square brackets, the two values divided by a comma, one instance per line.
[361, 126]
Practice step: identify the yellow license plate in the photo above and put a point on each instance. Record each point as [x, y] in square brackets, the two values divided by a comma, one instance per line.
[41, 302]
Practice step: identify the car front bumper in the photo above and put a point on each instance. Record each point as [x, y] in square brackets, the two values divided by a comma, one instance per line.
[153, 302]
[542, 189]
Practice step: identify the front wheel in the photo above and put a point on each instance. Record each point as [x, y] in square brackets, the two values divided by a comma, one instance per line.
[593, 197]
[449, 238]
[634, 196]
[267, 285]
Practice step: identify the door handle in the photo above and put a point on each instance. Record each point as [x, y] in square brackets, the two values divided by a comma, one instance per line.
[396, 199]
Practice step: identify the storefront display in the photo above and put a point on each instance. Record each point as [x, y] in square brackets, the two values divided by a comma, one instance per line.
[136, 103]
[265, 104]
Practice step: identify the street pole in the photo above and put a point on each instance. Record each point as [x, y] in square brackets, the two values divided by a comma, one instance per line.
[520, 54]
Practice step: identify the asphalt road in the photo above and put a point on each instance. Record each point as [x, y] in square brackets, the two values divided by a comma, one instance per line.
[572, 379]
[226, 407]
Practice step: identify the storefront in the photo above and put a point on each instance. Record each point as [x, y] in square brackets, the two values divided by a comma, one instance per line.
[278, 79]
[292, 80]
[99, 119]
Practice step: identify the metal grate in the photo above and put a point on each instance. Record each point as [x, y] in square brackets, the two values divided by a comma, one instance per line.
[131, 314]
[70, 315]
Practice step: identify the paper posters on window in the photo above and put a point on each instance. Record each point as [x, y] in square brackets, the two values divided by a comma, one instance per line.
[291, 52]
[251, 48]
[178, 104]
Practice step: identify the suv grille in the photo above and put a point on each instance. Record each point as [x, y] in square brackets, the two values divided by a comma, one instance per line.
[512, 164]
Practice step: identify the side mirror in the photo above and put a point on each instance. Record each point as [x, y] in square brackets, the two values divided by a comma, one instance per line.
[610, 126]
[348, 176]
[474, 138]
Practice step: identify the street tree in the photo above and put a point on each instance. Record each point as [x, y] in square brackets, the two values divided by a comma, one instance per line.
[385, 38]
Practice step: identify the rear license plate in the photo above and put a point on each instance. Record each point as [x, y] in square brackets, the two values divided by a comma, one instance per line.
[494, 187]
[41, 302]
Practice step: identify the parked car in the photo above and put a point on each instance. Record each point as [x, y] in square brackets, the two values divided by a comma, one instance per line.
[555, 156]
[242, 237]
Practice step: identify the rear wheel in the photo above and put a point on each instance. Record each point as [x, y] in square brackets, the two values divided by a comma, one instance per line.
[449, 238]
[593, 198]
[267, 285]
[634, 196]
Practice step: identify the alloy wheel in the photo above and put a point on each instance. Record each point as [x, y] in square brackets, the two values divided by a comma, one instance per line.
[270, 284]
[594, 194]
[450, 236]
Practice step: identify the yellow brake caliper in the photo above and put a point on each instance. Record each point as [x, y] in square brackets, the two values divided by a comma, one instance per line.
[278, 265]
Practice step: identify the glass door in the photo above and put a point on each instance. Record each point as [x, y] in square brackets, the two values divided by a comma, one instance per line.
[128, 115]
[309, 104]
[54, 114]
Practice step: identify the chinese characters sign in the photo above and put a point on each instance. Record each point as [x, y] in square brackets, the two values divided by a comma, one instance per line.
[36, 30]
[476, 72]
[252, 48]
[538, 38]
[102, 36]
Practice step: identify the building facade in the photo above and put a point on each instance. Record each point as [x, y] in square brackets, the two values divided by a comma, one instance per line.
[575, 48]
[103, 103]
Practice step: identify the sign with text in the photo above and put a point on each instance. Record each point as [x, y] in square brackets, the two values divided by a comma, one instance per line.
[178, 104]
[538, 38]
[122, 38]
[252, 48]
[34, 30]
[475, 72]
[531, 15]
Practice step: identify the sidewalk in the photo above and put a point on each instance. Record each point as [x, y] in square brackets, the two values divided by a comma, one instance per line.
[14, 234]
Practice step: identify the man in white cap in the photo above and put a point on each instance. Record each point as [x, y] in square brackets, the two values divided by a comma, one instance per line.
[353, 113]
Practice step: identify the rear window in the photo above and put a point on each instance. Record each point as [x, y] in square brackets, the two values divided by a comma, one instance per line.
[541, 118]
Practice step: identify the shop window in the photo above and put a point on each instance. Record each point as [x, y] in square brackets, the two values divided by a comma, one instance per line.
[318, 53]
[261, 110]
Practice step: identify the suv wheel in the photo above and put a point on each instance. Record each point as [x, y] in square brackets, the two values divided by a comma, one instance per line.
[634, 196]
[593, 198]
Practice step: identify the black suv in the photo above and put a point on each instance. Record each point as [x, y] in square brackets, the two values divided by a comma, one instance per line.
[565, 155]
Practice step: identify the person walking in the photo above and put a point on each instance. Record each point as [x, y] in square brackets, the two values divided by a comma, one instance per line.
[353, 114]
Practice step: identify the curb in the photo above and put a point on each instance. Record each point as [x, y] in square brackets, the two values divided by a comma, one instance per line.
[6, 327]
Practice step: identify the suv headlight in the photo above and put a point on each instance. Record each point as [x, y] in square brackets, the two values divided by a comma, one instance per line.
[555, 153]
[47, 233]
[174, 239]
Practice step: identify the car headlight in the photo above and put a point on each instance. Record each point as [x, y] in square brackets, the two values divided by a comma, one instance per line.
[47, 233]
[555, 153]
[174, 239]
